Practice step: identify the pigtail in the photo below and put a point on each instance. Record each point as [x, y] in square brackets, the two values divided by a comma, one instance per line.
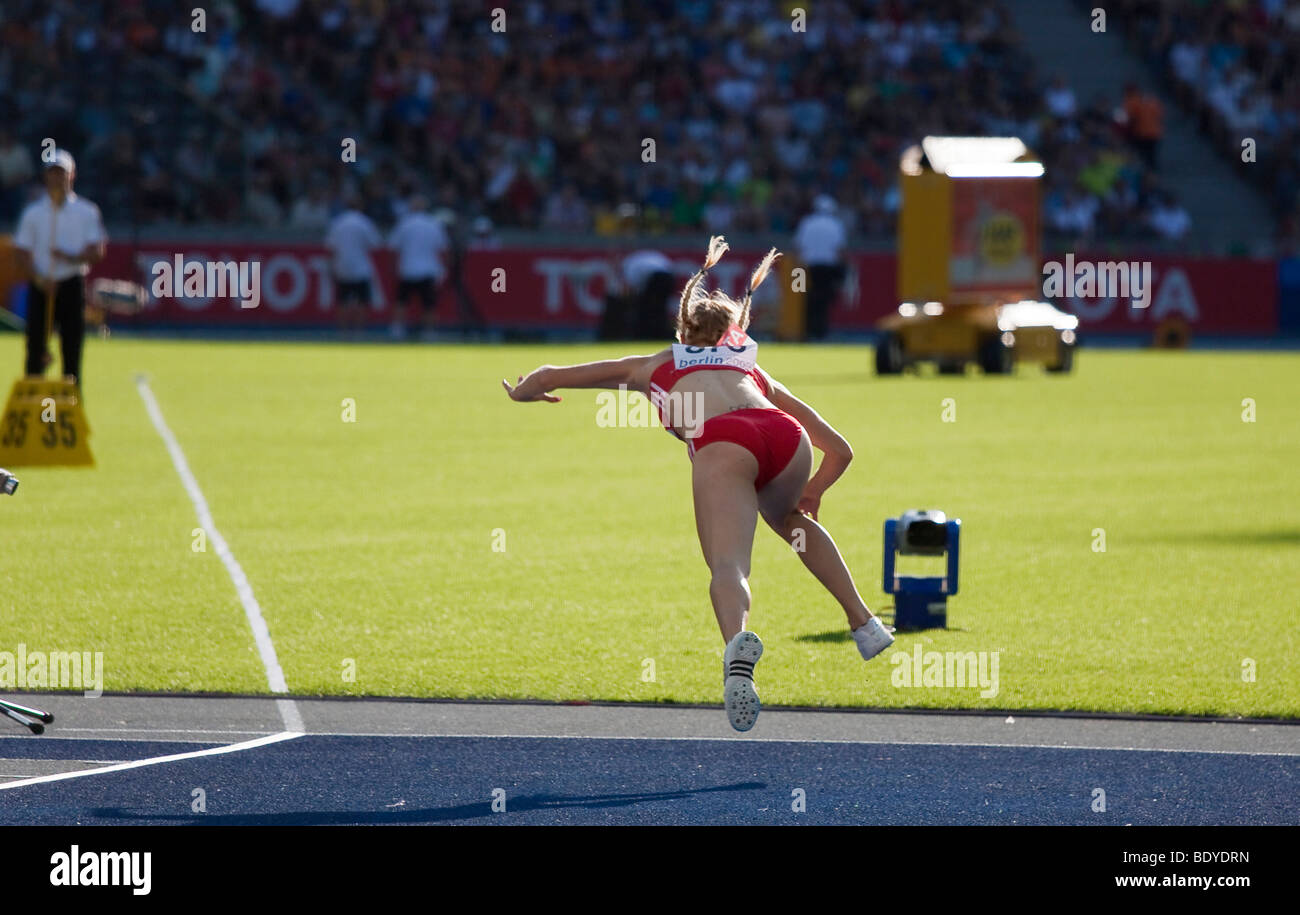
[717, 247]
[760, 274]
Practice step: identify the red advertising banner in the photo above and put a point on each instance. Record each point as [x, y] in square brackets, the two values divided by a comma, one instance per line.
[868, 294]
[1213, 295]
[534, 288]
[515, 287]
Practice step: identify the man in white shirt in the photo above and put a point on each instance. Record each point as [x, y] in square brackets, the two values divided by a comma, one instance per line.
[59, 237]
[351, 239]
[820, 238]
[420, 240]
[648, 279]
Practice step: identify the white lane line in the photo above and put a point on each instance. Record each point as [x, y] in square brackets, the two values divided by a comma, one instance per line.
[289, 713]
[63, 732]
[873, 741]
[261, 634]
[155, 760]
[867, 741]
[144, 735]
[864, 741]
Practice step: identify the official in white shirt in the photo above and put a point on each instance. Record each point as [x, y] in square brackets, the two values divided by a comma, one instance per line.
[351, 239]
[820, 238]
[420, 241]
[59, 238]
[648, 279]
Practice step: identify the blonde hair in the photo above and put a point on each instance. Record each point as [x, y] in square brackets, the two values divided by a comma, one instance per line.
[702, 316]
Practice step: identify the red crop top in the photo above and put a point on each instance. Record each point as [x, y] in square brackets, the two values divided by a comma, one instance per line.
[735, 352]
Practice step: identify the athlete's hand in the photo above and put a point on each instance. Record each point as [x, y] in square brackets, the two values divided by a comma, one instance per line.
[809, 503]
[528, 389]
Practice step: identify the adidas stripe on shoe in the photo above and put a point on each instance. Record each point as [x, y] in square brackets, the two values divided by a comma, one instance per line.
[739, 693]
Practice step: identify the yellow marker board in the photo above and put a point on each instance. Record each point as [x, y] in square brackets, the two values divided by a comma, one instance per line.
[790, 325]
[44, 425]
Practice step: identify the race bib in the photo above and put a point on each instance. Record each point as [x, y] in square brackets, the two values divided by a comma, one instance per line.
[738, 357]
[735, 350]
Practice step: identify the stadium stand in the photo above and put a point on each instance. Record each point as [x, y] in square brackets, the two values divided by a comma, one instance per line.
[543, 126]
[1236, 67]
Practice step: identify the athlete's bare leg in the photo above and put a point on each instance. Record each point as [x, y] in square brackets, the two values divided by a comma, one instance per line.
[818, 551]
[726, 514]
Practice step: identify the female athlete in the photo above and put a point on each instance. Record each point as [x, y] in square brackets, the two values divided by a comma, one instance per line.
[750, 442]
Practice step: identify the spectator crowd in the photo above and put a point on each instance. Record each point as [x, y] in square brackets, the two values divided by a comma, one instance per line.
[697, 115]
[1236, 65]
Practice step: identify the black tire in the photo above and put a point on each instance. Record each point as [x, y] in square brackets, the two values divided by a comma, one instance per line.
[889, 355]
[1067, 360]
[996, 358]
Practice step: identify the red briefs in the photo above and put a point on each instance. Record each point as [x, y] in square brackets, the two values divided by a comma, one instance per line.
[770, 435]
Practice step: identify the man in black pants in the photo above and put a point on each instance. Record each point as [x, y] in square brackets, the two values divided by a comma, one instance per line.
[59, 237]
[648, 283]
[820, 238]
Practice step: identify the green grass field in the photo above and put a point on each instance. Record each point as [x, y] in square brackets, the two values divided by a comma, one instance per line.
[372, 543]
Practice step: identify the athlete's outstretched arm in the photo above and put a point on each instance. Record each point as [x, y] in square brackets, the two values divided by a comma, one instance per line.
[609, 373]
[836, 451]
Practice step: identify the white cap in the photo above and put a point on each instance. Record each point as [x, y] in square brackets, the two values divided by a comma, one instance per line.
[62, 159]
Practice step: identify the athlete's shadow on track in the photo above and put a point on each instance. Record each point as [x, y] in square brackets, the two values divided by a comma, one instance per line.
[481, 810]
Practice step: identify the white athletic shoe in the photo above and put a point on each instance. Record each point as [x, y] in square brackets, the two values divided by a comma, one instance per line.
[872, 638]
[739, 694]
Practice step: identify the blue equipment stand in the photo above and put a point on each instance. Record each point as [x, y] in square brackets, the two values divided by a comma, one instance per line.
[920, 602]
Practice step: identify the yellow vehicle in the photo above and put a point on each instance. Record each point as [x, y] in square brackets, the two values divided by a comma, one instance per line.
[969, 262]
[995, 336]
